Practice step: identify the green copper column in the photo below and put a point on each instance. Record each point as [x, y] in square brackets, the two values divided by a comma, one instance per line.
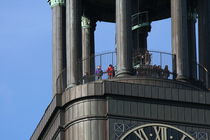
[58, 37]
[88, 47]
[73, 42]
[124, 37]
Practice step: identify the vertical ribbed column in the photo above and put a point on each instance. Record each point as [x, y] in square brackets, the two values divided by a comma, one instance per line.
[88, 47]
[59, 50]
[73, 42]
[180, 37]
[124, 37]
[192, 43]
[204, 38]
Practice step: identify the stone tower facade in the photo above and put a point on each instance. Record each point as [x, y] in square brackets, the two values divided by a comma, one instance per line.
[141, 101]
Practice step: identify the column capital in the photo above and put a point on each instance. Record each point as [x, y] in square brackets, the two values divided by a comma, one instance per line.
[192, 15]
[54, 3]
[86, 22]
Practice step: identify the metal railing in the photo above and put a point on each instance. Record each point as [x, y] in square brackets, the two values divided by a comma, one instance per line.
[160, 65]
[151, 63]
[104, 60]
[154, 71]
[202, 76]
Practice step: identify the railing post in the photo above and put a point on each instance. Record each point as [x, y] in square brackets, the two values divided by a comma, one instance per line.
[112, 59]
[161, 59]
[100, 60]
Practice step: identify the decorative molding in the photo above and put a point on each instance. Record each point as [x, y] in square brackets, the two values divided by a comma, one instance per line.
[54, 3]
[121, 128]
[193, 16]
[86, 22]
[161, 131]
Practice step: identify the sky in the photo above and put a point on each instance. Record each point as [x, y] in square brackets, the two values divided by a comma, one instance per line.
[25, 62]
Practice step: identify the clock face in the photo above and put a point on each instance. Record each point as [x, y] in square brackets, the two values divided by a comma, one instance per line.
[156, 132]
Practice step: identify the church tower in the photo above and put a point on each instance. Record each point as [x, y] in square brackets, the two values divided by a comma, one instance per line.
[147, 95]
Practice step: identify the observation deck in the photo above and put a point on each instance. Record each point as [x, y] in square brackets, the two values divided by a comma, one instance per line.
[140, 87]
[152, 68]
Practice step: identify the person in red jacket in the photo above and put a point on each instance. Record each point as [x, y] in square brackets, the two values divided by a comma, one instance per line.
[110, 71]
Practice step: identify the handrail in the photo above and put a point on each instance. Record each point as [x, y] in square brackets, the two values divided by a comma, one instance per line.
[149, 69]
[203, 67]
[203, 76]
[100, 54]
[161, 52]
[139, 13]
